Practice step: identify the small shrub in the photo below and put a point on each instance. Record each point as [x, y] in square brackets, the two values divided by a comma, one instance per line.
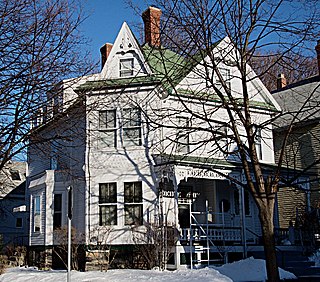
[3, 263]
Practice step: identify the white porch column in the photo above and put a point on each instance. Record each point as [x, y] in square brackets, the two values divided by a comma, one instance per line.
[242, 220]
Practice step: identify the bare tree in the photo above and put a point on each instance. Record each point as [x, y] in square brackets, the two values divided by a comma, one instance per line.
[40, 46]
[295, 67]
[192, 29]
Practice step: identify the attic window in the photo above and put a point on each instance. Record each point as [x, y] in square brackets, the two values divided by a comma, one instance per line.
[15, 175]
[225, 73]
[126, 67]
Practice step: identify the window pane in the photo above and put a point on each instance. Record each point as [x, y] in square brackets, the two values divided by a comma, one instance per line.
[36, 214]
[108, 215]
[126, 67]
[133, 214]
[133, 192]
[108, 138]
[57, 202]
[19, 222]
[107, 119]
[37, 205]
[108, 193]
[131, 137]
[131, 117]
[57, 211]
[57, 220]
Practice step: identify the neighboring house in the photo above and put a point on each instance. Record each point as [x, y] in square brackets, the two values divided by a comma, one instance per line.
[130, 174]
[13, 214]
[300, 103]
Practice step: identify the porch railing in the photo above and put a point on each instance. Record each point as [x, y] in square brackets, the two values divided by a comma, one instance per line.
[230, 234]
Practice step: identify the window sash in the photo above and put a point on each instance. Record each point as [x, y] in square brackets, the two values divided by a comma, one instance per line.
[133, 192]
[108, 138]
[131, 137]
[57, 211]
[107, 119]
[36, 213]
[107, 193]
[131, 117]
[133, 214]
[107, 215]
[37, 206]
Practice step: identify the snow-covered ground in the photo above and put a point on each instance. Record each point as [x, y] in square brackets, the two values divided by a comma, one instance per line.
[245, 270]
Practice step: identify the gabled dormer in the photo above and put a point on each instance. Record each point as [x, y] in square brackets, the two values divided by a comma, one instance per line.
[124, 58]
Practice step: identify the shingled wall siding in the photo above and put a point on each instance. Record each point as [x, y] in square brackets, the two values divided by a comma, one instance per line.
[290, 200]
[302, 150]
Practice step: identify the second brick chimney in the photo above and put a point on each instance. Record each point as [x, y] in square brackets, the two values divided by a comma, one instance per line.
[151, 19]
[105, 52]
[281, 81]
[318, 55]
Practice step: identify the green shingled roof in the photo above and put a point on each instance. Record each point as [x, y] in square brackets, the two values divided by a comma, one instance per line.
[167, 65]
[120, 82]
[168, 68]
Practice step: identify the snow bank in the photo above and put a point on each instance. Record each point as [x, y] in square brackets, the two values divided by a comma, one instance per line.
[245, 270]
[250, 270]
[116, 275]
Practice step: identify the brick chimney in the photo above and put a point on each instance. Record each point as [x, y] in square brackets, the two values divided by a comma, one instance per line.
[151, 19]
[105, 51]
[281, 81]
[318, 55]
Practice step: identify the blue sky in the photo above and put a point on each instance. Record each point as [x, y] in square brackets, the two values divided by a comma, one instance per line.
[104, 21]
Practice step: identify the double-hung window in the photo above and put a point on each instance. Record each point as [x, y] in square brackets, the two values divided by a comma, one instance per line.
[107, 127]
[107, 204]
[183, 138]
[36, 213]
[126, 67]
[133, 203]
[131, 127]
[57, 211]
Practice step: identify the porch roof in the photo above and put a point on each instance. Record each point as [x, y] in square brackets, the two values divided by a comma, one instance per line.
[289, 177]
[165, 159]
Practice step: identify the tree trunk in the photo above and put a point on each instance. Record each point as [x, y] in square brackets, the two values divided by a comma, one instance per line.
[266, 218]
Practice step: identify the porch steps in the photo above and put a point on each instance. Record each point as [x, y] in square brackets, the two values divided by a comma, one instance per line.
[198, 249]
[295, 262]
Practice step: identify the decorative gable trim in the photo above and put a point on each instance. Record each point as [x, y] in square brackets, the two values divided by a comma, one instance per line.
[124, 48]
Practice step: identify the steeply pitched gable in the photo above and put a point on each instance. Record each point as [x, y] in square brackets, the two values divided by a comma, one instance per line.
[125, 58]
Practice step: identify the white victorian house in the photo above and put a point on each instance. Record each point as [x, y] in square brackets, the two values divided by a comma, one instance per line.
[130, 144]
